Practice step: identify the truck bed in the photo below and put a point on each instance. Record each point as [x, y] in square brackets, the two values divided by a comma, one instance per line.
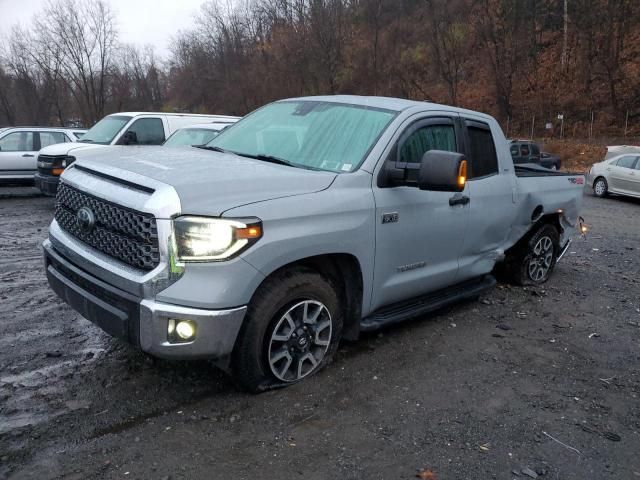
[533, 170]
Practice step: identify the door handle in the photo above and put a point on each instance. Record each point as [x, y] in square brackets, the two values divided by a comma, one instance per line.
[459, 199]
[27, 155]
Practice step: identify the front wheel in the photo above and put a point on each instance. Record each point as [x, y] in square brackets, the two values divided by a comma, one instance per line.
[533, 259]
[292, 329]
[600, 187]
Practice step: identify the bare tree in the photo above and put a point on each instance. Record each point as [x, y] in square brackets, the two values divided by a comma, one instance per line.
[83, 34]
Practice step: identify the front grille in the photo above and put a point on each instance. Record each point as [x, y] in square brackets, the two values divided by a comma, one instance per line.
[126, 235]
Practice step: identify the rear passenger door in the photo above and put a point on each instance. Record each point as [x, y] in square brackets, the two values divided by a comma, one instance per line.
[491, 209]
[18, 153]
[623, 173]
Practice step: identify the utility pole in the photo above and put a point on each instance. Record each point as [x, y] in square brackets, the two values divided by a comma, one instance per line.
[591, 128]
[533, 121]
[565, 33]
[626, 124]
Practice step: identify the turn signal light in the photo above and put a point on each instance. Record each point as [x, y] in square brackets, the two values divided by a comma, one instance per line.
[252, 232]
[57, 171]
[462, 174]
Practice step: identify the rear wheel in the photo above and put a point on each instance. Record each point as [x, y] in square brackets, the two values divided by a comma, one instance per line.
[600, 187]
[292, 330]
[533, 259]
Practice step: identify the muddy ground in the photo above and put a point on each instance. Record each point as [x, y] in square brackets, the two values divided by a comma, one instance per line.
[546, 379]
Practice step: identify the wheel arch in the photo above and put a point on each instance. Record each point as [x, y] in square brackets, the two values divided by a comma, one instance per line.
[344, 271]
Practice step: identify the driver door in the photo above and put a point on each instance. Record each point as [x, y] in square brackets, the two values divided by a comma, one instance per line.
[419, 235]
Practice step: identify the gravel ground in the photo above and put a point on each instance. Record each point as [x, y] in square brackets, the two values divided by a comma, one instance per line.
[544, 379]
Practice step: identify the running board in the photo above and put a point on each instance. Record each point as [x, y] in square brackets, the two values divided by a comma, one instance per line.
[402, 311]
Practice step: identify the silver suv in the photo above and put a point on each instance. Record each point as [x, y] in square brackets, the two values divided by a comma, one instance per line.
[19, 147]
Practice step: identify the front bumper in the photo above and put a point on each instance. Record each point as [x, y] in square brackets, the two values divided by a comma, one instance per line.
[141, 322]
[47, 184]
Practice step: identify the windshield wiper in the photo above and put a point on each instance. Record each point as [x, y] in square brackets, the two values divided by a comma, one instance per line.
[213, 149]
[86, 140]
[273, 159]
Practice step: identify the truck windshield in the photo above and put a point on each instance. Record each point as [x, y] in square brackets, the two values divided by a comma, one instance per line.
[105, 130]
[308, 134]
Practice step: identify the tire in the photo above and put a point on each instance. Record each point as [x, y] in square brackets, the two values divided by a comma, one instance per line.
[269, 353]
[533, 259]
[600, 187]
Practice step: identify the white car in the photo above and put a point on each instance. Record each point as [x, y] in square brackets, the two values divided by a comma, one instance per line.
[127, 128]
[19, 147]
[198, 134]
[619, 174]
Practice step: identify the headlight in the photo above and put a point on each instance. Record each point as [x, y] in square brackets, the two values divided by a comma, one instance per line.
[203, 239]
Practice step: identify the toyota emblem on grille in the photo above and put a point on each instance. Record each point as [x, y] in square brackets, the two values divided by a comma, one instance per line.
[85, 219]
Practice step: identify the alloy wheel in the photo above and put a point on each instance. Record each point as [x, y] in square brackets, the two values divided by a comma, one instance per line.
[600, 187]
[299, 340]
[541, 260]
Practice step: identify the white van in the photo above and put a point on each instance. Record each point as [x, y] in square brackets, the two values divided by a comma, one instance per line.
[127, 128]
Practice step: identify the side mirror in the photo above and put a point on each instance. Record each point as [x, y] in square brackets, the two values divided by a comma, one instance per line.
[129, 138]
[443, 171]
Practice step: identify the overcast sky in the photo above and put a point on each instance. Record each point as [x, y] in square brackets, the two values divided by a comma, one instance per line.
[140, 22]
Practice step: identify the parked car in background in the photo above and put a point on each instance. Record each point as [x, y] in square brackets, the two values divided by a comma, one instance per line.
[311, 220]
[619, 175]
[550, 161]
[19, 147]
[524, 151]
[198, 134]
[615, 150]
[128, 128]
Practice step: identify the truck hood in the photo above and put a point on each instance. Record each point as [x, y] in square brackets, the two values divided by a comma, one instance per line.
[69, 148]
[208, 183]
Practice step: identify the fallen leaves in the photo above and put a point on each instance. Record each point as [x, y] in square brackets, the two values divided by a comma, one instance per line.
[426, 474]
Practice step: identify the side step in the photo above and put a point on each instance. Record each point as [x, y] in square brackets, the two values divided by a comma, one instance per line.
[405, 310]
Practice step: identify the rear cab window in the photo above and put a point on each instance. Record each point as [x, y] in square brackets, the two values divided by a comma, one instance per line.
[481, 148]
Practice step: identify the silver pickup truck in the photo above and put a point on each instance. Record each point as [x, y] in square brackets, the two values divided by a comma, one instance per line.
[309, 221]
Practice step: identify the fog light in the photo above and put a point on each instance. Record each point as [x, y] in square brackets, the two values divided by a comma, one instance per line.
[181, 330]
[185, 330]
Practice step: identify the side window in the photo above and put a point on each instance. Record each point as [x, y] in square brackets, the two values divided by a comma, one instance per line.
[637, 163]
[535, 150]
[51, 138]
[149, 131]
[17, 142]
[430, 137]
[482, 152]
[524, 150]
[420, 141]
[514, 150]
[626, 162]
